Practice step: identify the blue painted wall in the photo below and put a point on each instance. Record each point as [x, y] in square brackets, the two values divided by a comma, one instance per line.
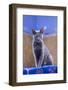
[37, 22]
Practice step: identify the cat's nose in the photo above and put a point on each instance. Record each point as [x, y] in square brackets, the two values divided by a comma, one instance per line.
[37, 39]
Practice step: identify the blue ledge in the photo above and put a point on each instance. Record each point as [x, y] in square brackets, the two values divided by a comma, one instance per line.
[41, 70]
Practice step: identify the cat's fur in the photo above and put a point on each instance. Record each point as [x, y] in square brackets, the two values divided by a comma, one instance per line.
[41, 53]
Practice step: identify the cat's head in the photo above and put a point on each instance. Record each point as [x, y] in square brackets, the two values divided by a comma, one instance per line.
[38, 36]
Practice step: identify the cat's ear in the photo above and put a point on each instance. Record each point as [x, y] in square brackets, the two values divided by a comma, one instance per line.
[42, 30]
[33, 31]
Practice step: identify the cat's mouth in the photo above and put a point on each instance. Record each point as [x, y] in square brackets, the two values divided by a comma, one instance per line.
[37, 44]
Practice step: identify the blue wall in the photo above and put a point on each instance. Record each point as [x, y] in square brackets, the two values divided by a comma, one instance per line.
[36, 22]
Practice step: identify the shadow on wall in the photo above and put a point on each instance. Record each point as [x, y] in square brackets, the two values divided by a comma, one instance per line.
[51, 43]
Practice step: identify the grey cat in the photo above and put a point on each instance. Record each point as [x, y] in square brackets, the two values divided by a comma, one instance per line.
[41, 53]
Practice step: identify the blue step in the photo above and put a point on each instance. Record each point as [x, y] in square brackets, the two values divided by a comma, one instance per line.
[40, 70]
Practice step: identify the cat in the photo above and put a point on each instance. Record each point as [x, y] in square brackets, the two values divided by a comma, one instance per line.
[41, 53]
